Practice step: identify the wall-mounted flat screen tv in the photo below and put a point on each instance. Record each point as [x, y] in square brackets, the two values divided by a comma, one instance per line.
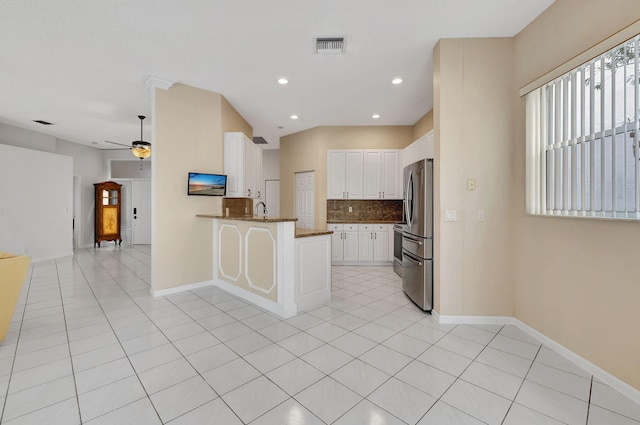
[207, 184]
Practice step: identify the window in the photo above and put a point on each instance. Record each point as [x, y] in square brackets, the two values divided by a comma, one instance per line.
[582, 139]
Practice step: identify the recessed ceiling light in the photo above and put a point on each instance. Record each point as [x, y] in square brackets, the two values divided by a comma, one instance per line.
[283, 81]
[396, 81]
[294, 117]
[375, 116]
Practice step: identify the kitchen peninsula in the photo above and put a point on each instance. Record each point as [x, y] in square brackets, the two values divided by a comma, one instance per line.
[270, 263]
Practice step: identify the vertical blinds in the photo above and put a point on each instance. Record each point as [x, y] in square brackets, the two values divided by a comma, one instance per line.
[582, 139]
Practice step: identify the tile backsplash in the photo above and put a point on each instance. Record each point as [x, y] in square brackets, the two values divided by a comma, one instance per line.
[237, 207]
[364, 210]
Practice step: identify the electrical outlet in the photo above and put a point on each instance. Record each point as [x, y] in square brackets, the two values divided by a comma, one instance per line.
[450, 215]
[481, 216]
[350, 209]
[471, 184]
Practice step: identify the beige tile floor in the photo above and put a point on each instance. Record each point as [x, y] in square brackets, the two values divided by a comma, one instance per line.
[89, 345]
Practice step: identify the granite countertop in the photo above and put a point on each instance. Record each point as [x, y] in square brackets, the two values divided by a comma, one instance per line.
[266, 219]
[363, 221]
[303, 233]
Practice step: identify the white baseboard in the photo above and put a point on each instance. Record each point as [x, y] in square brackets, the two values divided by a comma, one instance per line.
[477, 320]
[182, 288]
[601, 374]
[604, 376]
[261, 302]
[49, 258]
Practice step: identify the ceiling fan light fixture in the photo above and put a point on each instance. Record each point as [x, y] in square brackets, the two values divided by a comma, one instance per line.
[140, 148]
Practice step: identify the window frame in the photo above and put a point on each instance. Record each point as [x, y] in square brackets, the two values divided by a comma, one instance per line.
[556, 176]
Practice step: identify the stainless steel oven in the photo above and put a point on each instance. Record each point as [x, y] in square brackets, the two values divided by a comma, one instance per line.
[398, 232]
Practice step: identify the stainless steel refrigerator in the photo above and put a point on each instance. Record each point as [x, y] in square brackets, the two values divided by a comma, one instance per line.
[417, 239]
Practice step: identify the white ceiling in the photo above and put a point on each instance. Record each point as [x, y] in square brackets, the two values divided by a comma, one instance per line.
[81, 64]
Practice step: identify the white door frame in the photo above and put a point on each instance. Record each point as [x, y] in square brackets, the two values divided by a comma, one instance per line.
[77, 210]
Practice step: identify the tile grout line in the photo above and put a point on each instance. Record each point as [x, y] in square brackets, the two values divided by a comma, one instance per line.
[589, 402]
[64, 317]
[119, 342]
[13, 363]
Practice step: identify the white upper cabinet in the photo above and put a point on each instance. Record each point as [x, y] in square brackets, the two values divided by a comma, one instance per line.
[336, 183]
[243, 166]
[420, 149]
[344, 174]
[364, 174]
[353, 173]
[383, 174]
[372, 173]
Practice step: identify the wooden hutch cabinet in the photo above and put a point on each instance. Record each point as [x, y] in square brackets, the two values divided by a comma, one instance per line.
[107, 216]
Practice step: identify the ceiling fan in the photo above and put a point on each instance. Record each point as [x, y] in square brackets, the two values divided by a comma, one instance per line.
[139, 148]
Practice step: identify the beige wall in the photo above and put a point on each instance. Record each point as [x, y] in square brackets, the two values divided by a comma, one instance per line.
[232, 121]
[576, 281]
[423, 125]
[307, 151]
[189, 125]
[473, 137]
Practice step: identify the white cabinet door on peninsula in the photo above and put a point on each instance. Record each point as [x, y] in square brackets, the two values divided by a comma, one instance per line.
[243, 166]
[344, 173]
[364, 174]
[382, 174]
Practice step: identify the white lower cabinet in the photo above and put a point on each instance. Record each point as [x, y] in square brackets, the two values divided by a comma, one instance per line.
[360, 242]
[365, 242]
[381, 242]
[344, 242]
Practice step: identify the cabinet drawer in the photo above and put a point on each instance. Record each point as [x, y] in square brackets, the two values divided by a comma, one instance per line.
[335, 227]
[381, 227]
[351, 226]
[365, 227]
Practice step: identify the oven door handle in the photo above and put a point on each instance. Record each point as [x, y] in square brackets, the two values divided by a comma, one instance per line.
[416, 241]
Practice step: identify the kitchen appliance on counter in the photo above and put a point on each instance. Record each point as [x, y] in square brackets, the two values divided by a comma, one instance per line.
[417, 237]
[398, 232]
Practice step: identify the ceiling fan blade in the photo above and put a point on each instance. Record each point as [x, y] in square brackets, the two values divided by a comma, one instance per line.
[119, 144]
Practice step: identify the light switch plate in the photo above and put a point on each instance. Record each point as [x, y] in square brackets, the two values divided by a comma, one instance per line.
[481, 216]
[450, 215]
[350, 209]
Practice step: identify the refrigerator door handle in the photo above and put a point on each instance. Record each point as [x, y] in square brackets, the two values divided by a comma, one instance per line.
[408, 204]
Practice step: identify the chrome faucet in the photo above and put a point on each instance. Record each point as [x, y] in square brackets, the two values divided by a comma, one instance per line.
[264, 209]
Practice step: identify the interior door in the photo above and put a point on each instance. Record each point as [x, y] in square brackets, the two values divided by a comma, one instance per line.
[305, 194]
[141, 207]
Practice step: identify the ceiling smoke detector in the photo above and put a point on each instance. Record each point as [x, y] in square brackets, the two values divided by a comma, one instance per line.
[329, 45]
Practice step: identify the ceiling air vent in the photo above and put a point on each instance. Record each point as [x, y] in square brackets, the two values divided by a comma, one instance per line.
[43, 122]
[329, 45]
[259, 141]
